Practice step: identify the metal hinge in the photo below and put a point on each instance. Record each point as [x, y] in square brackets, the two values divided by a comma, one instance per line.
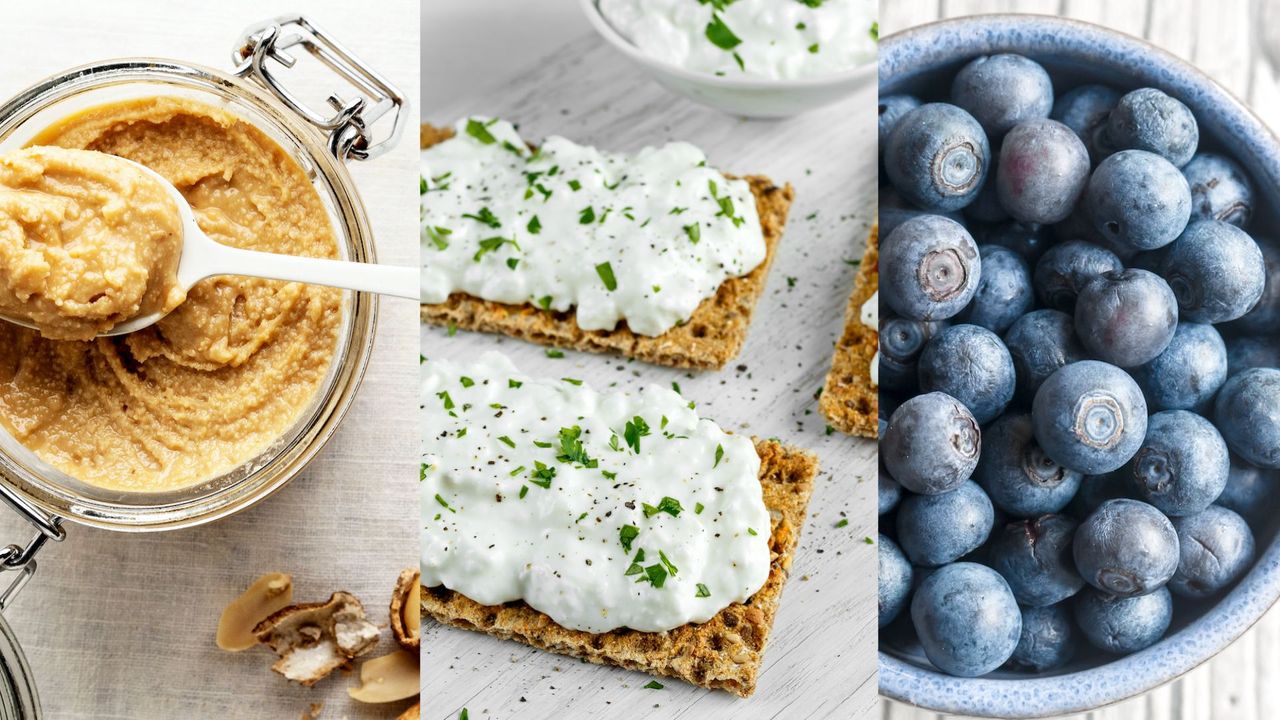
[350, 127]
[21, 559]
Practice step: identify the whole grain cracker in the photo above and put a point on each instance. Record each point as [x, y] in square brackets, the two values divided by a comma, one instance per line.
[711, 338]
[849, 401]
[724, 653]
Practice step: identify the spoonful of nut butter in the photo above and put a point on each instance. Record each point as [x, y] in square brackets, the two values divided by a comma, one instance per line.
[93, 245]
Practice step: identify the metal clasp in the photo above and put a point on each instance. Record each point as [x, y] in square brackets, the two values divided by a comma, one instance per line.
[22, 559]
[350, 127]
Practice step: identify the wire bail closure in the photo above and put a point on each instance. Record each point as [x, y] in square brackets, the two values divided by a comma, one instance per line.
[19, 558]
[349, 128]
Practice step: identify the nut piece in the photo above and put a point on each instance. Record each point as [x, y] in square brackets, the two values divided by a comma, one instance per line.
[405, 613]
[388, 678]
[265, 596]
[314, 639]
[413, 713]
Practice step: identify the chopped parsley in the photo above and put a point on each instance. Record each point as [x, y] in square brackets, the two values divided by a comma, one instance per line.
[554, 354]
[535, 226]
[605, 271]
[489, 245]
[587, 216]
[507, 441]
[448, 401]
[439, 236]
[875, 31]
[752, 531]
[667, 504]
[719, 456]
[466, 381]
[575, 185]
[844, 522]
[651, 685]
[694, 232]
[720, 35]
[813, 48]
[484, 216]
[480, 131]
[636, 428]
[514, 383]
[627, 535]
[572, 450]
[444, 504]
[698, 508]
[542, 475]
[702, 591]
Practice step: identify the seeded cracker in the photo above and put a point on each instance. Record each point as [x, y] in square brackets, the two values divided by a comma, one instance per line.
[711, 338]
[724, 653]
[849, 401]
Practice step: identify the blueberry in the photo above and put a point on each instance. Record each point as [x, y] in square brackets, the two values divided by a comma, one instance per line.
[1216, 549]
[1084, 109]
[937, 157]
[1188, 373]
[1029, 241]
[1126, 548]
[1248, 414]
[1034, 557]
[1123, 625]
[1040, 342]
[895, 580]
[1182, 465]
[901, 341]
[929, 268]
[1017, 475]
[1043, 169]
[1003, 90]
[1250, 491]
[1264, 317]
[1138, 199]
[1147, 119]
[894, 210]
[934, 530]
[1215, 270]
[966, 619]
[932, 444]
[1004, 291]
[970, 364]
[1047, 641]
[1220, 190]
[1126, 318]
[891, 110]
[1248, 351]
[1064, 270]
[889, 492]
[1089, 416]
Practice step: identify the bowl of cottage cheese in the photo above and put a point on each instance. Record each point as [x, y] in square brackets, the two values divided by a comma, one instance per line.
[751, 58]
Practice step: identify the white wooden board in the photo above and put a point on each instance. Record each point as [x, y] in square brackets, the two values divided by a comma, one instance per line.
[821, 658]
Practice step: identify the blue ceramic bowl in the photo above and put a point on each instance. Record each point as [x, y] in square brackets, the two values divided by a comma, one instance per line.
[922, 61]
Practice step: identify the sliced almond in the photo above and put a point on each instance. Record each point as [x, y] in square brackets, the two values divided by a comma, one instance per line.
[314, 639]
[387, 678]
[265, 596]
[405, 612]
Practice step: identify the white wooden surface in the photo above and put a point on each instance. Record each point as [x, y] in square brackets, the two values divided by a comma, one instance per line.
[121, 626]
[1225, 39]
[821, 658]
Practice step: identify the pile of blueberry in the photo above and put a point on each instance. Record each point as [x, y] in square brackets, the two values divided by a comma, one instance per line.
[1078, 365]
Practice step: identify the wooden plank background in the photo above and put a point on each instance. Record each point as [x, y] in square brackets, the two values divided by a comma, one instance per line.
[1229, 40]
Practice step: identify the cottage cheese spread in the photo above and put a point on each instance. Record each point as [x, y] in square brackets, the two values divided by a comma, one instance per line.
[777, 39]
[600, 510]
[871, 318]
[642, 239]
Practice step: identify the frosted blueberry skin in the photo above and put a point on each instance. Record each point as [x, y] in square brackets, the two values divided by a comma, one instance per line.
[1029, 241]
[1004, 291]
[1042, 172]
[934, 530]
[889, 492]
[890, 111]
[1188, 373]
[1001, 91]
[1126, 548]
[901, 342]
[1064, 270]
[1123, 625]
[970, 364]
[1264, 317]
[1017, 475]
[1034, 557]
[1039, 343]
[1247, 411]
[1216, 548]
[929, 268]
[1182, 465]
[1147, 119]
[966, 619]
[932, 444]
[937, 157]
[895, 210]
[1220, 190]
[1250, 491]
[1138, 199]
[895, 580]
[1090, 416]
[1047, 641]
[1215, 270]
[1251, 351]
[1126, 318]
[1084, 109]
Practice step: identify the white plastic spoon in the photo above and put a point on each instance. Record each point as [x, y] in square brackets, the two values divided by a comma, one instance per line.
[204, 257]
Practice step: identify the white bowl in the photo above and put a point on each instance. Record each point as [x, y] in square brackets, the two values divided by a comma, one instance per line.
[754, 98]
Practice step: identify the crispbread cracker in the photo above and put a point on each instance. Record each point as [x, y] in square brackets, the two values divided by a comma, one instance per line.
[712, 337]
[724, 653]
[849, 400]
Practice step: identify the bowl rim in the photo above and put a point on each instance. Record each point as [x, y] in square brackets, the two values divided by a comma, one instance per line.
[1232, 614]
[602, 26]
